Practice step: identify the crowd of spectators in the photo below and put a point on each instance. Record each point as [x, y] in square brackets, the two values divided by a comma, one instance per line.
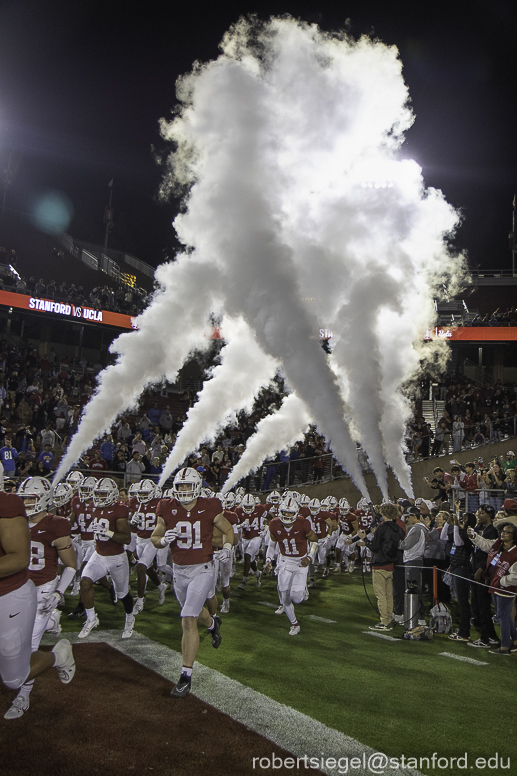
[499, 317]
[473, 415]
[121, 299]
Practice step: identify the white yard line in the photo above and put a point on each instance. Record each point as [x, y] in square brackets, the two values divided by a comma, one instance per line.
[464, 659]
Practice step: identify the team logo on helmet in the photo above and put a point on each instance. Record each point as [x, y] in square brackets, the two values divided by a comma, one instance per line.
[144, 491]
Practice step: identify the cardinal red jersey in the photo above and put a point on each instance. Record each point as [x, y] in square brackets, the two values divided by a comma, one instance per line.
[321, 528]
[232, 517]
[364, 519]
[107, 517]
[256, 521]
[194, 544]
[292, 540]
[144, 517]
[44, 557]
[11, 505]
[83, 517]
[305, 512]
[346, 524]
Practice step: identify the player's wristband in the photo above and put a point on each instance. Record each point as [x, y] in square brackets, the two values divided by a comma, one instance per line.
[312, 551]
[227, 546]
[164, 542]
[67, 575]
[110, 534]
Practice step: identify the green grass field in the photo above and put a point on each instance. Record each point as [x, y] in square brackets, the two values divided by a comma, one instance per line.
[399, 697]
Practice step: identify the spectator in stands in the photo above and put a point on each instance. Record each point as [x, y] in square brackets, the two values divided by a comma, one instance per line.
[119, 464]
[218, 454]
[135, 468]
[47, 458]
[9, 456]
[510, 461]
[21, 286]
[107, 450]
[166, 419]
[154, 415]
[156, 469]
[458, 434]
[139, 444]
[23, 466]
[124, 432]
[40, 288]
[48, 436]
[98, 463]
[493, 481]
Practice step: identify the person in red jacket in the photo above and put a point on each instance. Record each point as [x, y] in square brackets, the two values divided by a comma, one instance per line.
[501, 571]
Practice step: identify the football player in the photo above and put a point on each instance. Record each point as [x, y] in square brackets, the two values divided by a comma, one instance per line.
[364, 521]
[147, 496]
[111, 530]
[223, 564]
[324, 525]
[253, 524]
[81, 514]
[292, 534]
[50, 541]
[346, 553]
[186, 523]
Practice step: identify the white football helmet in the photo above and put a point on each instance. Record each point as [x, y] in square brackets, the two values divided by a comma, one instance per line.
[363, 505]
[240, 492]
[36, 493]
[275, 497]
[105, 492]
[74, 479]
[248, 504]
[296, 496]
[187, 485]
[314, 506]
[344, 507]
[229, 500]
[238, 499]
[257, 500]
[325, 502]
[63, 493]
[332, 502]
[144, 491]
[85, 489]
[288, 511]
[304, 500]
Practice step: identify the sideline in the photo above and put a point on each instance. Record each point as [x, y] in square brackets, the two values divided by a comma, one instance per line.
[287, 728]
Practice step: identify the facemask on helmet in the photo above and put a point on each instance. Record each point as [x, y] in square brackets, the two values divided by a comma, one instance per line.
[248, 504]
[187, 485]
[36, 493]
[85, 489]
[314, 506]
[63, 494]
[105, 493]
[288, 511]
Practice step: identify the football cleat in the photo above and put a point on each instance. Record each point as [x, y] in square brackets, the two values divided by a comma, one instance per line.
[76, 589]
[311, 584]
[306, 594]
[258, 578]
[18, 708]
[78, 612]
[161, 593]
[325, 572]
[280, 609]
[294, 630]
[53, 624]
[242, 586]
[215, 634]
[225, 606]
[65, 662]
[129, 626]
[88, 626]
[138, 607]
[182, 688]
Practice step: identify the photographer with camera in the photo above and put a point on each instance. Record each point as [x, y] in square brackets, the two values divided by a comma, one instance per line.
[383, 541]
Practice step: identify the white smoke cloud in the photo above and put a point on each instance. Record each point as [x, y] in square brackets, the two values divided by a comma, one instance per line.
[234, 383]
[301, 213]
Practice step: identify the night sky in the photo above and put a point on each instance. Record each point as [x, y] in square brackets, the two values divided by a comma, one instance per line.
[84, 83]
